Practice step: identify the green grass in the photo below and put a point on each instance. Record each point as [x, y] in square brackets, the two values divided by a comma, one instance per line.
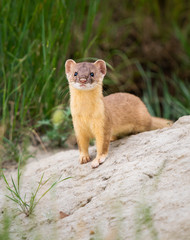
[159, 98]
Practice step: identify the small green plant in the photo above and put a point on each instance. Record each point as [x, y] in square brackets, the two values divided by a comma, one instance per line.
[27, 207]
[58, 128]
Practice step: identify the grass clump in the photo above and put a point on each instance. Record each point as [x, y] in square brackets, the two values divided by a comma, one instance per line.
[24, 206]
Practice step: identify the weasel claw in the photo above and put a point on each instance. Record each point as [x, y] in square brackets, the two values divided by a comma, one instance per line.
[84, 159]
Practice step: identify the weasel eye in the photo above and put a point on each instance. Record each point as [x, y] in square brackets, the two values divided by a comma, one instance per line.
[76, 73]
[92, 74]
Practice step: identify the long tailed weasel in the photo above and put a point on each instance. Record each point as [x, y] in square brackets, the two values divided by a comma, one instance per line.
[103, 118]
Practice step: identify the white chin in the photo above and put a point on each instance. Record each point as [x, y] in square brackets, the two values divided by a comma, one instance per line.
[84, 87]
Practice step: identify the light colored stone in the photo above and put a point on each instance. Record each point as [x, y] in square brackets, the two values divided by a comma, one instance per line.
[141, 191]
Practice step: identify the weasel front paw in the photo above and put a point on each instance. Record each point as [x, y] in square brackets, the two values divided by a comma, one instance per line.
[84, 159]
[96, 162]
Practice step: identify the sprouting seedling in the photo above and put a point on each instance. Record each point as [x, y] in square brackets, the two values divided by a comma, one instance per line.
[27, 207]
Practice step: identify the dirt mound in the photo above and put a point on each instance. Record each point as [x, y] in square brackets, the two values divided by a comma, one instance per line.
[140, 192]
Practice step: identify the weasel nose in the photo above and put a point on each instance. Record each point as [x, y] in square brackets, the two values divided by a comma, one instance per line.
[82, 80]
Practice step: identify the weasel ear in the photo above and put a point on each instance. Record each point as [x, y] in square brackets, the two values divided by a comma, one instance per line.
[69, 65]
[101, 65]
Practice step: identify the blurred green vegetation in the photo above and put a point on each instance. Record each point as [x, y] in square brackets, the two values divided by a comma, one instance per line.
[146, 42]
[5, 226]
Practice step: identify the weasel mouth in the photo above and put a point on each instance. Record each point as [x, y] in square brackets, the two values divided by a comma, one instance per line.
[83, 86]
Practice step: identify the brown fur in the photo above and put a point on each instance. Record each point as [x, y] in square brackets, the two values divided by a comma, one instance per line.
[103, 118]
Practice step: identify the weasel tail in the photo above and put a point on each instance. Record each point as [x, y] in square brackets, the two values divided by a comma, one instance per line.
[159, 123]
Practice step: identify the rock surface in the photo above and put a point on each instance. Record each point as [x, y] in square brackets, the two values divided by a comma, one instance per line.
[142, 191]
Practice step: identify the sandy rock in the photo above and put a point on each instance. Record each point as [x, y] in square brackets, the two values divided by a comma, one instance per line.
[140, 192]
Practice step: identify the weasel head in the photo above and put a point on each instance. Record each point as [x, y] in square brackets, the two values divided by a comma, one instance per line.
[85, 75]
